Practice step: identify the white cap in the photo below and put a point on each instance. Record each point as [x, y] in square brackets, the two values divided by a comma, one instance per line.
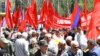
[25, 35]
[33, 40]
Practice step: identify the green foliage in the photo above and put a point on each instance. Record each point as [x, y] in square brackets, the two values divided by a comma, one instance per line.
[61, 6]
[22, 3]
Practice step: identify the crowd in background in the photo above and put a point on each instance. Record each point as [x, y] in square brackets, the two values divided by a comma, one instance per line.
[62, 42]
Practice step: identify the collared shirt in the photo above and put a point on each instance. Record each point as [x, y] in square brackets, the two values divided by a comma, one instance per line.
[21, 47]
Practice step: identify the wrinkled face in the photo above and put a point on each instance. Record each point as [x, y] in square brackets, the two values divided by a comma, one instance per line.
[43, 48]
[74, 47]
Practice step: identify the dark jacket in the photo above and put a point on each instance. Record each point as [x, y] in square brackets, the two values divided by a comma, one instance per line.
[38, 53]
[2, 51]
[95, 51]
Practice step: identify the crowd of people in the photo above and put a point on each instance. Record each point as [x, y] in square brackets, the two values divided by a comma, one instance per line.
[62, 42]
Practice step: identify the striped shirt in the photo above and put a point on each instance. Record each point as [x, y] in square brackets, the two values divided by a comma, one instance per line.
[21, 47]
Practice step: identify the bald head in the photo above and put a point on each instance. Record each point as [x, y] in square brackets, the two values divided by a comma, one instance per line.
[75, 43]
[69, 38]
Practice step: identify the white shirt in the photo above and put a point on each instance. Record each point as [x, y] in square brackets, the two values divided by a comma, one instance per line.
[81, 39]
[53, 46]
[44, 54]
[21, 47]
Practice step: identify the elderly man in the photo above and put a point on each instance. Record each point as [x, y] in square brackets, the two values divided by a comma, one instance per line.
[33, 46]
[3, 44]
[21, 45]
[52, 46]
[68, 40]
[75, 51]
[43, 51]
[63, 48]
[93, 49]
[81, 38]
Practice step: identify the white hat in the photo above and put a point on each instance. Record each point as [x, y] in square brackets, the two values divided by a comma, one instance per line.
[33, 40]
[25, 35]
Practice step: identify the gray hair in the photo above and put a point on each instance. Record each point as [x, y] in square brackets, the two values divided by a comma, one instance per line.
[92, 42]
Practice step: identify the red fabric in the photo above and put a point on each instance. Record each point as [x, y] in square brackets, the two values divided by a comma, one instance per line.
[49, 18]
[74, 13]
[8, 15]
[16, 16]
[96, 1]
[22, 26]
[94, 26]
[31, 15]
[35, 19]
[44, 12]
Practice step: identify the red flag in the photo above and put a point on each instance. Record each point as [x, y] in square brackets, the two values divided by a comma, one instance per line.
[94, 26]
[32, 15]
[22, 27]
[74, 13]
[96, 1]
[8, 15]
[44, 12]
[35, 19]
[16, 16]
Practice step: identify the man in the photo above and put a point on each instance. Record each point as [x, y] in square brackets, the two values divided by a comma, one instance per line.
[43, 51]
[63, 48]
[81, 38]
[68, 40]
[21, 45]
[33, 46]
[93, 49]
[3, 44]
[52, 46]
[75, 51]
